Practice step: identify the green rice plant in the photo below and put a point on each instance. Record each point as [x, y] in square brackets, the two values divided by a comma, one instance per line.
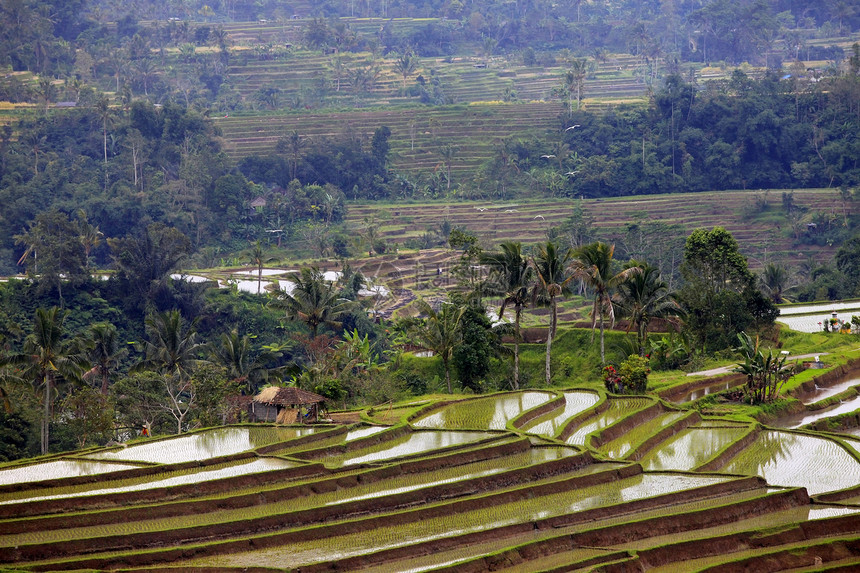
[619, 408]
[690, 448]
[217, 442]
[220, 471]
[819, 464]
[552, 423]
[491, 413]
[58, 469]
[409, 444]
[488, 517]
[625, 445]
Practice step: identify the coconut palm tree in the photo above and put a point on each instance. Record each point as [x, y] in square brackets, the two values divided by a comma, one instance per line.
[236, 354]
[46, 359]
[258, 258]
[551, 270]
[172, 346]
[313, 300]
[511, 277]
[105, 353]
[643, 297]
[88, 234]
[774, 280]
[439, 333]
[593, 266]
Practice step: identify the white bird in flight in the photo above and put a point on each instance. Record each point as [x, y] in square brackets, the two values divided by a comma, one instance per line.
[547, 156]
[572, 127]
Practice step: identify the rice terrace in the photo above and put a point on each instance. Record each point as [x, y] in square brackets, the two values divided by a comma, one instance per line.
[410, 286]
[537, 480]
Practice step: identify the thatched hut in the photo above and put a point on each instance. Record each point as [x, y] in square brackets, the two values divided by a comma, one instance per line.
[285, 406]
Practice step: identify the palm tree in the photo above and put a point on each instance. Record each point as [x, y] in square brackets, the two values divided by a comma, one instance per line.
[643, 297]
[313, 300]
[89, 235]
[405, 65]
[105, 114]
[511, 277]
[593, 266]
[440, 333]
[105, 353]
[258, 259]
[573, 82]
[235, 352]
[46, 359]
[172, 346]
[448, 153]
[550, 267]
[774, 280]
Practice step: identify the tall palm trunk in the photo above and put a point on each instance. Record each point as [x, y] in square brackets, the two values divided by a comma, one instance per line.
[549, 337]
[46, 418]
[447, 373]
[518, 310]
[602, 348]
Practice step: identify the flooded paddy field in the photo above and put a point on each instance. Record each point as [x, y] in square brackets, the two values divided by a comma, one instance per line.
[691, 448]
[209, 444]
[618, 408]
[463, 486]
[483, 413]
[553, 422]
[808, 417]
[791, 459]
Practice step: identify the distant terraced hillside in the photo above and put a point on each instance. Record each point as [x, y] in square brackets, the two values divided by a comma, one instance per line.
[762, 239]
[474, 130]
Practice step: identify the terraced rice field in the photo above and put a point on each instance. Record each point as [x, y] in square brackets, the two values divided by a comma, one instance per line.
[471, 485]
[528, 220]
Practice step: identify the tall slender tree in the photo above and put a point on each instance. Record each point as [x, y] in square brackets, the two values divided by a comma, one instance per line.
[511, 277]
[313, 300]
[593, 266]
[105, 353]
[258, 257]
[553, 280]
[172, 347]
[47, 358]
[643, 297]
[439, 333]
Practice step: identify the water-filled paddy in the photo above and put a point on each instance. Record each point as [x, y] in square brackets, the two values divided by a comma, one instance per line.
[690, 448]
[208, 444]
[798, 460]
[327, 496]
[59, 469]
[364, 432]
[265, 273]
[804, 418]
[491, 413]
[231, 470]
[407, 445]
[827, 391]
[813, 322]
[624, 445]
[490, 517]
[826, 308]
[697, 393]
[551, 424]
[618, 408]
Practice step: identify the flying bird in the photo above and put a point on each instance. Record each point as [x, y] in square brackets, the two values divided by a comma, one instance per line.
[572, 172]
[572, 127]
[547, 156]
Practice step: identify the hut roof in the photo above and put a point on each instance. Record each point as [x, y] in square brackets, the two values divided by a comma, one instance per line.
[286, 396]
